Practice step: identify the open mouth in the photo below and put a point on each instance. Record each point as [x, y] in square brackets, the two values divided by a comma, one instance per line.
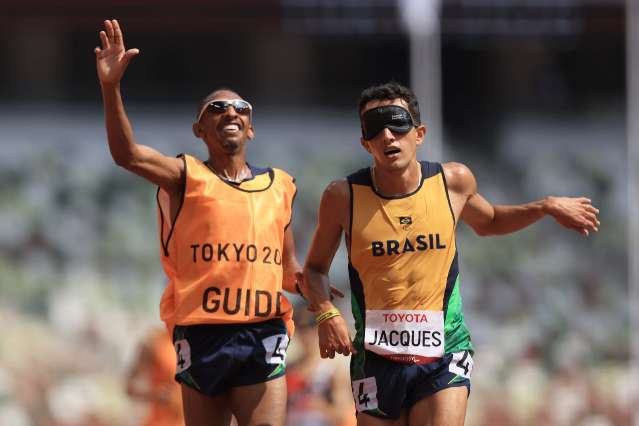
[391, 151]
[231, 128]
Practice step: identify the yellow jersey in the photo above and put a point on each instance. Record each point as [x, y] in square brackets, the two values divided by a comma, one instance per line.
[403, 267]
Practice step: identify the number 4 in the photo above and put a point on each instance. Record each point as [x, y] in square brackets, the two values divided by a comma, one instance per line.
[362, 397]
[461, 364]
[365, 394]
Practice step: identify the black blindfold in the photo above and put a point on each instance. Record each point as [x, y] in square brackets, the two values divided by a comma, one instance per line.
[392, 117]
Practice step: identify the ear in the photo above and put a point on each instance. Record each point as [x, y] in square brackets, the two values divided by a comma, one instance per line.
[365, 144]
[421, 133]
[197, 130]
[251, 132]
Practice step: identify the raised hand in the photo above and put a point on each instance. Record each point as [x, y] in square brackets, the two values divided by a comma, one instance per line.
[112, 59]
[574, 213]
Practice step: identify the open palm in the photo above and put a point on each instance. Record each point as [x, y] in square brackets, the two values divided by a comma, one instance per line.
[112, 59]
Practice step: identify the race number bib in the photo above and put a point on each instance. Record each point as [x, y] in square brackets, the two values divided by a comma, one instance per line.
[462, 364]
[276, 348]
[183, 355]
[365, 394]
[405, 336]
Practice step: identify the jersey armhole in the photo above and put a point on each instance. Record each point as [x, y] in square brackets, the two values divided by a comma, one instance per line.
[164, 206]
[348, 237]
[292, 205]
[450, 205]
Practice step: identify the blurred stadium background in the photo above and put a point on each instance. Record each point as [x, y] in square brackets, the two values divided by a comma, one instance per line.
[531, 94]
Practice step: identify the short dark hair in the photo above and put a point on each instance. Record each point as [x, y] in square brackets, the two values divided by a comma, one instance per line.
[389, 91]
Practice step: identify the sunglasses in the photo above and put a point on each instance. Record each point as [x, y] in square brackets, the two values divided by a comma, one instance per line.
[239, 105]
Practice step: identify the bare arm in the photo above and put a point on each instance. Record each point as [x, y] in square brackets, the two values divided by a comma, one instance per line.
[325, 243]
[333, 216]
[488, 219]
[112, 60]
[292, 268]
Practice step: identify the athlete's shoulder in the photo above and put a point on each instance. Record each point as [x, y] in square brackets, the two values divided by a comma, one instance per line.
[336, 196]
[459, 178]
[283, 174]
[335, 204]
[338, 189]
[280, 175]
[187, 158]
[191, 165]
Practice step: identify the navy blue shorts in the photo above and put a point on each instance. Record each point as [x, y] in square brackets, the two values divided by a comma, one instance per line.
[212, 358]
[382, 388]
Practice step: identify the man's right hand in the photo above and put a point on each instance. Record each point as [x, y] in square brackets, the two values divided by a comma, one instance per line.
[334, 338]
[112, 59]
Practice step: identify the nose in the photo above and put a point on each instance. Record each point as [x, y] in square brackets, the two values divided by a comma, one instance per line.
[230, 110]
[387, 135]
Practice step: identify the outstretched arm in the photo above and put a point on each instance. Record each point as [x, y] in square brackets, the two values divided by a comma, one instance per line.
[487, 219]
[292, 268]
[334, 208]
[112, 60]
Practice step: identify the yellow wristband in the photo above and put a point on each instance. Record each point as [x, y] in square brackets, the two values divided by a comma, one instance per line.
[334, 312]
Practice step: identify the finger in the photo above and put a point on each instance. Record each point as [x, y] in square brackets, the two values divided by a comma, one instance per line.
[590, 227]
[590, 218]
[323, 351]
[97, 50]
[108, 26]
[346, 350]
[104, 40]
[129, 54]
[328, 353]
[118, 38]
[593, 220]
[330, 349]
[351, 347]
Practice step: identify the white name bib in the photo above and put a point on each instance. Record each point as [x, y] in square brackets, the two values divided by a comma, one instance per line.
[414, 337]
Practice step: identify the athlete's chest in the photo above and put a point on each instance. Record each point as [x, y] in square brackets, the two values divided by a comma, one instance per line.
[393, 227]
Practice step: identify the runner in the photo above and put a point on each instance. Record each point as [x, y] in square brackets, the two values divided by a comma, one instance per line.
[226, 246]
[412, 354]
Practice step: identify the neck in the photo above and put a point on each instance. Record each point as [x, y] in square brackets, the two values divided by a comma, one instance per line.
[394, 183]
[233, 169]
